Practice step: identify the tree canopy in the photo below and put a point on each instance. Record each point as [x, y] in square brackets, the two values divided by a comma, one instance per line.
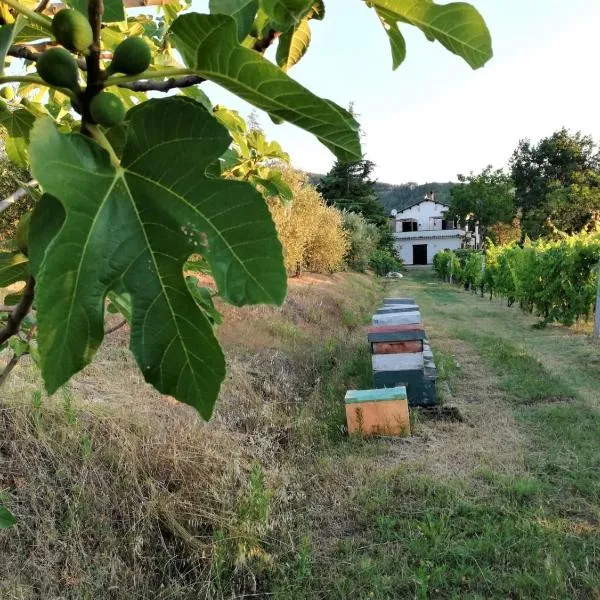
[486, 197]
[557, 180]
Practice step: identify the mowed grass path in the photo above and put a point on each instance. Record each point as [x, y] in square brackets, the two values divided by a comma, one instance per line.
[503, 505]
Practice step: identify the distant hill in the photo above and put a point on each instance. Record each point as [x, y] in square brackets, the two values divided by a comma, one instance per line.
[406, 194]
[399, 196]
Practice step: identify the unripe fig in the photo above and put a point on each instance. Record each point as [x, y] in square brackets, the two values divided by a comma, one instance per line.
[7, 92]
[72, 29]
[107, 109]
[58, 67]
[131, 57]
[22, 237]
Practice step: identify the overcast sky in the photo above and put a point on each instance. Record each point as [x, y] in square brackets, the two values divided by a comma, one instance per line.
[434, 117]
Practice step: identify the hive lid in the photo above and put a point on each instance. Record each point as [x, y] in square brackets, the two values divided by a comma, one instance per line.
[380, 395]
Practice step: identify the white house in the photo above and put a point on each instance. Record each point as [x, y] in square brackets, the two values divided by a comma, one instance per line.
[422, 230]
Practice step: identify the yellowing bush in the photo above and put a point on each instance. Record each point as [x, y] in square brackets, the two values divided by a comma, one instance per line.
[327, 248]
[311, 232]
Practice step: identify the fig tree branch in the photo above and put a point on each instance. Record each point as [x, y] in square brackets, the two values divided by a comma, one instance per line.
[33, 52]
[12, 363]
[152, 85]
[41, 7]
[92, 61]
[17, 195]
[14, 360]
[20, 311]
[116, 327]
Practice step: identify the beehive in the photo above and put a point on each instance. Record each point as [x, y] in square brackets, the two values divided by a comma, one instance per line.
[387, 301]
[396, 318]
[396, 308]
[378, 412]
[408, 370]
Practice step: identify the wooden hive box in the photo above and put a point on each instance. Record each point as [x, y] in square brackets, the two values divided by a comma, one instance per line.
[395, 333]
[405, 318]
[398, 301]
[378, 412]
[397, 308]
[408, 370]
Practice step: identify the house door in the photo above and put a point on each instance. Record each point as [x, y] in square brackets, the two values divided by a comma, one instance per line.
[420, 254]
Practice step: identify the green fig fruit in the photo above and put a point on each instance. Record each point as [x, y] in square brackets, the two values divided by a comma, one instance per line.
[22, 237]
[107, 109]
[58, 67]
[72, 29]
[131, 57]
[7, 92]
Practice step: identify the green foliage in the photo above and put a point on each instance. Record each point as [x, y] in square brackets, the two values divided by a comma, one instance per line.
[125, 203]
[247, 74]
[468, 38]
[126, 199]
[349, 187]
[251, 158]
[555, 280]
[384, 262]
[363, 238]
[486, 197]
[7, 519]
[552, 178]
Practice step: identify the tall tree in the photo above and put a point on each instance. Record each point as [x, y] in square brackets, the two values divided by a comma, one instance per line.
[547, 176]
[349, 186]
[487, 197]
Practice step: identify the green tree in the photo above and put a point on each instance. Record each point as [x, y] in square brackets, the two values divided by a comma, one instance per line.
[487, 197]
[548, 177]
[363, 239]
[132, 184]
[348, 186]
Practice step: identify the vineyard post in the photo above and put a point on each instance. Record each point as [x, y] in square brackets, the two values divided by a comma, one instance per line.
[597, 315]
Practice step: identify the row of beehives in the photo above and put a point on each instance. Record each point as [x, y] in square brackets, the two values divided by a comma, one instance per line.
[403, 372]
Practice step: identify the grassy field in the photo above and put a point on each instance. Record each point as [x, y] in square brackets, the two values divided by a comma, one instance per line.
[123, 494]
[505, 504]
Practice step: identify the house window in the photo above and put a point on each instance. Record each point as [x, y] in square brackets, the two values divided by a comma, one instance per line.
[408, 226]
[447, 224]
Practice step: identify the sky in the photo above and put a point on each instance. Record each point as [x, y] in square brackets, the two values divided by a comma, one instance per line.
[435, 117]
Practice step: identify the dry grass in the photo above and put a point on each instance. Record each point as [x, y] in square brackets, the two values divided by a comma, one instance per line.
[122, 493]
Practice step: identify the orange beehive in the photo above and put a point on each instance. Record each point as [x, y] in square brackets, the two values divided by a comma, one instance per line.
[378, 412]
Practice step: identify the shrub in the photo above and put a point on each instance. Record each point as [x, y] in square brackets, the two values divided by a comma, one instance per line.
[311, 232]
[363, 238]
[383, 262]
[328, 245]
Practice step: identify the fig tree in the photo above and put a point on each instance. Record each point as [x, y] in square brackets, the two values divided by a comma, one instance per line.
[58, 67]
[107, 109]
[72, 29]
[22, 237]
[131, 57]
